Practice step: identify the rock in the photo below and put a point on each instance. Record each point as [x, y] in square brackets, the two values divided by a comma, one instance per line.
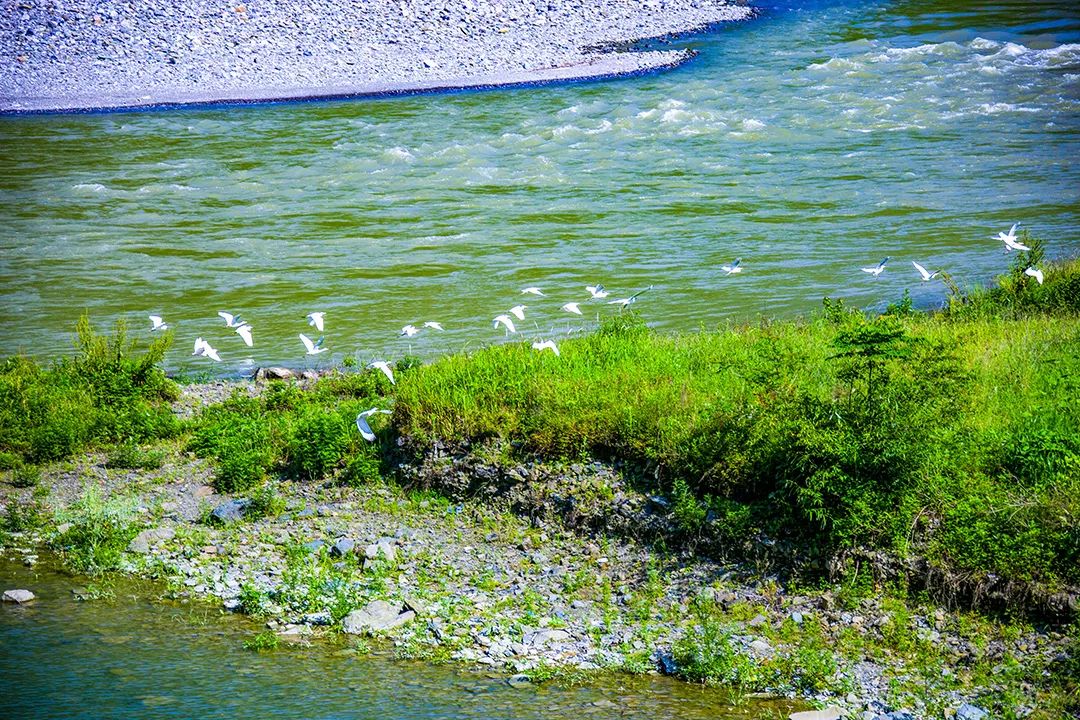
[19, 596]
[540, 638]
[377, 615]
[314, 545]
[518, 681]
[274, 373]
[757, 621]
[797, 617]
[63, 528]
[761, 648]
[417, 605]
[968, 711]
[231, 510]
[382, 546]
[141, 543]
[342, 547]
[829, 713]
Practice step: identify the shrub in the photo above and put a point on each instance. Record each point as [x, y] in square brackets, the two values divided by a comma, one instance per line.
[319, 442]
[363, 468]
[264, 502]
[128, 455]
[99, 533]
[239, 436]
[708, 655]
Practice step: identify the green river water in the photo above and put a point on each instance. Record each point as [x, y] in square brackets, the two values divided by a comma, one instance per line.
[810, 142]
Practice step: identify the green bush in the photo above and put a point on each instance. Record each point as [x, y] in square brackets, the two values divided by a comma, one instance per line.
[128, 455]
[239, 436]
[708, 655]
[319, 442]
[99, 532]
[363, 468]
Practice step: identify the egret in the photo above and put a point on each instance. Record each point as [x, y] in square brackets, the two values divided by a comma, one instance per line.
[385, 368]
[158, 324]
[362, 423]
[627, 302]
[733, 267]
[315, 319]
[1035, 273]
[505, 320]
[546, 345]
[1011, 243]
[313, 348]
[433, 325]
[518, 311]
[231, 321]
[409, 331]
[926, 275]
[533, 291]
[203, 348]
[571, 307]
[597, 291]
[244, 331]
[877, 269]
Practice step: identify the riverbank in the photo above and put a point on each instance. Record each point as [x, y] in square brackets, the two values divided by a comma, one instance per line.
[97, 55]
[760, 507]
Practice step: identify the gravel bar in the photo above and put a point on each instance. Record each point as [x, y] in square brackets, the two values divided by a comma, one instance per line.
[69, 55]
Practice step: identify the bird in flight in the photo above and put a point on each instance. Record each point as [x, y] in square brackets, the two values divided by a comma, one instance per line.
[409, 330]
[313, 348]
[1011, 243]
[433, 325]
[733, 267]
[315, 319]
[627, 302]
[203, 348]
[597, 291]
[1035, 273]
[926, 275]
[385, 368]
[533, 291]
[362, 423]
[546, 345]
[571, 307]
[158, 323]
[231, 321]
[505, 320]
[244, 331]
[877, 269]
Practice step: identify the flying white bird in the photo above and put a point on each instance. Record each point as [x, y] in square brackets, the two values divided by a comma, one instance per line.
[597, 291]
[627, 302]
[315, 319]
[733, 267]
[546, 345]
[926, 275]
[244, 331]
[203, 348]
[313, 348]
[158, 324]
[518, 311]
[877, 269]
[533, 291]
[433, 325]
[505, 320]
[385, 367]
[362, 423]
[1011, 243]
[409, 330]
[1035, 273]
[571, 307]
[232, 321]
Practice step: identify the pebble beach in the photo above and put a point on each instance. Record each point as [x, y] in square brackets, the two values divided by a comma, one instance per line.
[91, 54]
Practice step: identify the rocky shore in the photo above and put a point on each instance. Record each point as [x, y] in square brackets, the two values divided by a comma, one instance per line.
[86, 54]
[531, 585]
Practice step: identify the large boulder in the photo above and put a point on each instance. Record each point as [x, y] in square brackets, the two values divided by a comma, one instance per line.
[19, 596]
[231, 510]
[376, 616]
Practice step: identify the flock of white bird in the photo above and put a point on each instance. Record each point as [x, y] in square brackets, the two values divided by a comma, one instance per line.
[506, 320]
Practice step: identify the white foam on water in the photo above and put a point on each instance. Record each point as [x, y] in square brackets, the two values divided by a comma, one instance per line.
[85, 188]
[750, 125]
[399, 153]
[836, 64]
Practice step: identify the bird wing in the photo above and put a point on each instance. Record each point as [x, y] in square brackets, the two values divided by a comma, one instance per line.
[505, 321]
[434, 325]
[869, 270]
[387, 372]
[307, 343]
[156, 319]
[244, 331]
[922, 270]
[227, 317]
[364, 428]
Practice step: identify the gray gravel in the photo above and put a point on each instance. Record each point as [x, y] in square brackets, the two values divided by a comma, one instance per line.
[63, 54]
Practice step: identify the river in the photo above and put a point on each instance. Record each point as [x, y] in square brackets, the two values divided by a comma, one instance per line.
[810, 142]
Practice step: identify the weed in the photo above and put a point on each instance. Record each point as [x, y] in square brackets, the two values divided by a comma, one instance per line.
[263, 642]
[99, 532]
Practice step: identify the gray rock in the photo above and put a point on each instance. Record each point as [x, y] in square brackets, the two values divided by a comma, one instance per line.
[541, 638]
[18, 596]
[274, 373]
[968, 711]
[342, 547]
[230, 510]
[518, 681]
[377, 615]
[382, 546]
[829, 713]
[141, 543]
[314, 545]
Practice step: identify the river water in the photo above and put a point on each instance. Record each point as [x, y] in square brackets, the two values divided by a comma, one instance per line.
[132, 656]
[810, 142]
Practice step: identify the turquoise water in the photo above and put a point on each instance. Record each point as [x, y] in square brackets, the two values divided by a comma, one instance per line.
[132, 656]
[810, 142]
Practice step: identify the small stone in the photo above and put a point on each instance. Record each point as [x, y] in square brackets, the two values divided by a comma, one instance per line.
[342, 547]
[384, 547]
[518, 681]
[375, 616]
[313, 545]
[541, 638]
[797, 617]
[18, 596]
[231, 510]
[829, 713]
[757, 621]
[968, 711]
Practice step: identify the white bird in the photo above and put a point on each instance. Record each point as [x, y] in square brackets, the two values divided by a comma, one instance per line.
[877, 269]
[433, 325]
[1010, 240]
[409, 330]
[385, 367]
[362, 423]
[546, 345]
[313, 348]
[232, 321]
[571, 307]
[158, 324]
[1035, 273]
[203, 348]
[315, 319]
[533, 291]
[926, 275]
[627, 302]
[505, 320]
[244, 331]
[733, 267]
[518, 311]
[597, 291]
